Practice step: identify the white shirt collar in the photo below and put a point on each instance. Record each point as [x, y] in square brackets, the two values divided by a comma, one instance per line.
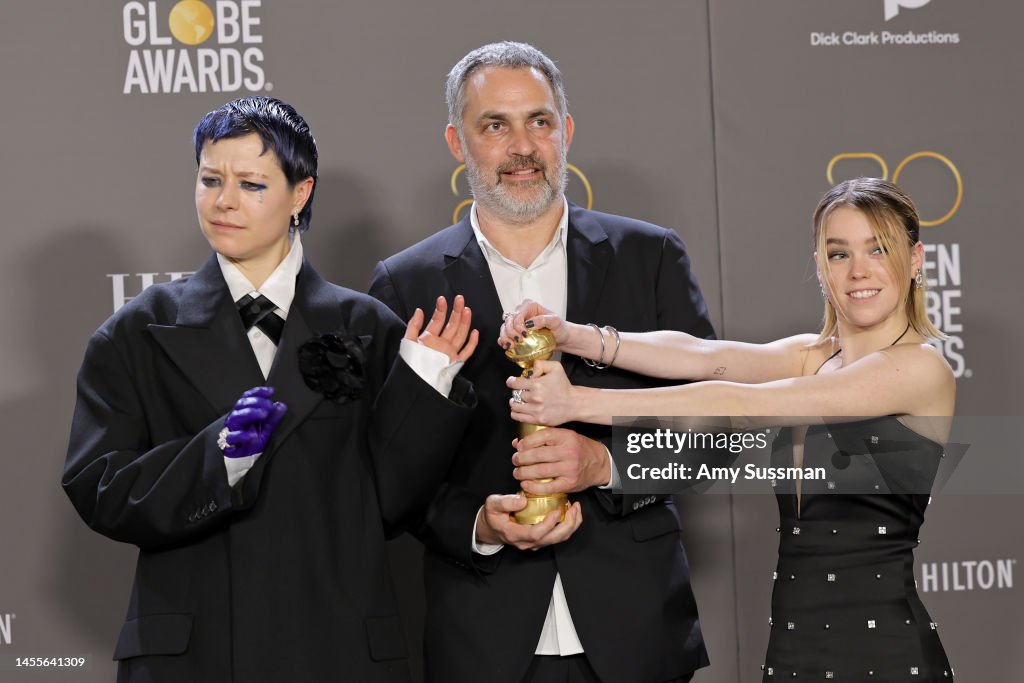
[560, 236]
[279, 287]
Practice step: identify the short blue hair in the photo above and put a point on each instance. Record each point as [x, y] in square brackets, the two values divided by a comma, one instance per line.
[280, 127]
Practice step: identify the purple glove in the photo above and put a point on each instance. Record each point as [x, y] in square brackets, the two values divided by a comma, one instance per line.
[251, 423]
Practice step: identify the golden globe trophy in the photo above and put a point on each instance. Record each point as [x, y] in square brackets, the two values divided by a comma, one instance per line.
[538, 345]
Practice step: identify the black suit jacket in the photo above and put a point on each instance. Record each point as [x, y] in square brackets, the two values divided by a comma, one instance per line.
[284, 577]
[624, 571]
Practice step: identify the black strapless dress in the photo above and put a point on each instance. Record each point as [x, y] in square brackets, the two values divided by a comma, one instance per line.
[845, 605]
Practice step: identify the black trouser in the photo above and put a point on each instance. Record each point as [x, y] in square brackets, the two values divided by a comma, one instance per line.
[571, 669]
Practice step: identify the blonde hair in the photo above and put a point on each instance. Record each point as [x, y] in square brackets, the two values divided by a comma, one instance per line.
[895, 225]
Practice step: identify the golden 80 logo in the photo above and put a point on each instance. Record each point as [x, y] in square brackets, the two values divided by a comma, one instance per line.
[918, 157]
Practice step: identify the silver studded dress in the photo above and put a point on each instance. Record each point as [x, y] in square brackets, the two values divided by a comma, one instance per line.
[845, 605]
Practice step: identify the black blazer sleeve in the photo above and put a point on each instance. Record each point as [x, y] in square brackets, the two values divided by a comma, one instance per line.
[414, 433]
[124, 486]
[680, 303]
[679, 306]
[445, 524]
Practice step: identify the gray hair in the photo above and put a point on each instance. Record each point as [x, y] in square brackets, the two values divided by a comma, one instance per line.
[504, 54]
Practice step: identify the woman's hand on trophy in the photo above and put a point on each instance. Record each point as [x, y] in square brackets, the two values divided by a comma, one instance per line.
[545, 398]
[456, 339]
[527, 316]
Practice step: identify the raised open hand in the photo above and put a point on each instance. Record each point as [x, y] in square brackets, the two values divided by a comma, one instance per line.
[456, 339]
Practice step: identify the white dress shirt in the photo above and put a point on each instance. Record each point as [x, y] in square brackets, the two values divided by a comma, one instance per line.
[432, 366]
[546, 282]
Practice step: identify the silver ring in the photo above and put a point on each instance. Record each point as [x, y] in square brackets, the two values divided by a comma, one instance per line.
[506, 316]
[517, 396]
[222, 439]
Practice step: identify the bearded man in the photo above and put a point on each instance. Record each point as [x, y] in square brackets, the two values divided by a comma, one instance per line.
[605, 594]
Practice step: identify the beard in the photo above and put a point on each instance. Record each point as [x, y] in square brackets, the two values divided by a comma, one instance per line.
[528, 201]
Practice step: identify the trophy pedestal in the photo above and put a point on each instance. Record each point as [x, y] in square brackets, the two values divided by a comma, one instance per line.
[539, 505]
[538, 346]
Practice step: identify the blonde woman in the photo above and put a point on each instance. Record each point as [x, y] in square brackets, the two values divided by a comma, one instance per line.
[844, 605]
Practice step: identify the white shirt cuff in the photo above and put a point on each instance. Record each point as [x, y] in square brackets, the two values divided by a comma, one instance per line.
[483, 548]
[237, 467]
[432, 366]
[613, 483]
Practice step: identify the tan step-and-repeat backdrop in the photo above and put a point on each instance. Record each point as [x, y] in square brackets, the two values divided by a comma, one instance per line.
[725, 119]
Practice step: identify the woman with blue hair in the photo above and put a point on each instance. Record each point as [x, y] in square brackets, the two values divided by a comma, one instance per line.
[258, 432]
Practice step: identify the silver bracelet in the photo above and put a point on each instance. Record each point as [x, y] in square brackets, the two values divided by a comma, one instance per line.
[597, 364]
[618, 343]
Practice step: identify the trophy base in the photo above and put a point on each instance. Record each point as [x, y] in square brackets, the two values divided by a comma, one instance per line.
[538, 507]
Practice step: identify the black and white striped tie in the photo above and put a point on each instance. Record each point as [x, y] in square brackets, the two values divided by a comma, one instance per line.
[259, 312]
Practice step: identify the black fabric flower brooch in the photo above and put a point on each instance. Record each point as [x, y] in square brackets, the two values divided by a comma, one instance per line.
[333, 366]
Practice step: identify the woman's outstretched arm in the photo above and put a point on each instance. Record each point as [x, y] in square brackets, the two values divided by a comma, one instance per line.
[902, 380]
[666, 354]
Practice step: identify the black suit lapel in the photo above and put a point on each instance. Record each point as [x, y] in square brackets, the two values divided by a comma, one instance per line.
[467, 273]
[315, 310]
[588, 255]
[207, 341]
